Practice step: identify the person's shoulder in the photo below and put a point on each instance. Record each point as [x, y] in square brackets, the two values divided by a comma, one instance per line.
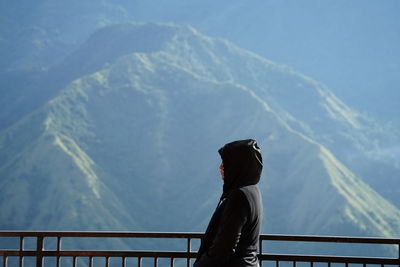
[237, 193]
[237, 196]
[244, 193]
[251, 193]
[239, 201]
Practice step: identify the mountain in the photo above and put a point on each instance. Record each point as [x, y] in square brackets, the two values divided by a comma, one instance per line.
[351, 46]
[335, 42]
[130, 141]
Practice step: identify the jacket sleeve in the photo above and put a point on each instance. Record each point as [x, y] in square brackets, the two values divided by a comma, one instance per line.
[229, 231]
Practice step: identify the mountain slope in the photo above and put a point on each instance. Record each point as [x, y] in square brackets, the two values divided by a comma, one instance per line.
[305, 104]
[131, 143]
[48, 182]
[47, 32]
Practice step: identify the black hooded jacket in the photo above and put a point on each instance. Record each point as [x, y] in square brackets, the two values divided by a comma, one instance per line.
[232, 236]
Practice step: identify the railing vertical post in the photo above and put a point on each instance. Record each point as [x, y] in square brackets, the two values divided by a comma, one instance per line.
[4, 260]
[39, 250]
[58, 251]
[21, 248]
[188, 251]
[260, 250]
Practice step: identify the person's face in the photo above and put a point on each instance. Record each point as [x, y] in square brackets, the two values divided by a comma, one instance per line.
[221, 170]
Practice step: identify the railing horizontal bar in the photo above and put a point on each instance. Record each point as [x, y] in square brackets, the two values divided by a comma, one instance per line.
[332, 259]
[100, 253]
[335, 239]
[264, 237]
[103, 234]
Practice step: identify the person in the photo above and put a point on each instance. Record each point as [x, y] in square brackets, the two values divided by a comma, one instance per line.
[232, 235]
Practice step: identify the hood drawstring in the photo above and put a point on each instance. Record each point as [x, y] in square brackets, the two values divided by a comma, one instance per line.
[221, 200]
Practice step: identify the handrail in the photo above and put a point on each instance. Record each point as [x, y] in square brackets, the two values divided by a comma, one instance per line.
[101, 234]
[338, 239]
[40, 253]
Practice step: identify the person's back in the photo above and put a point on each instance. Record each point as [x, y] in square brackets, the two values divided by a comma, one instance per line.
[232, 236]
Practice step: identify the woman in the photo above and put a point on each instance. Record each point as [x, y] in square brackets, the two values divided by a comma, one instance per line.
[232, 236]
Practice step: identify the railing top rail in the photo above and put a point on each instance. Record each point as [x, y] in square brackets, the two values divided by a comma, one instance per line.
[264, 237]
[331, 239]
[99, 234]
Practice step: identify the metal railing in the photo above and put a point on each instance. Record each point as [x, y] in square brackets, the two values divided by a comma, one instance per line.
[39, 253]
[330, 259]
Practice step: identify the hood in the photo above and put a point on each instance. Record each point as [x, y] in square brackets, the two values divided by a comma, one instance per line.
[242, 164]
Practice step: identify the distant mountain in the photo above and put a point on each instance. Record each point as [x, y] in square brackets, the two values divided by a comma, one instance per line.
[37, 35]
[130, 142]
